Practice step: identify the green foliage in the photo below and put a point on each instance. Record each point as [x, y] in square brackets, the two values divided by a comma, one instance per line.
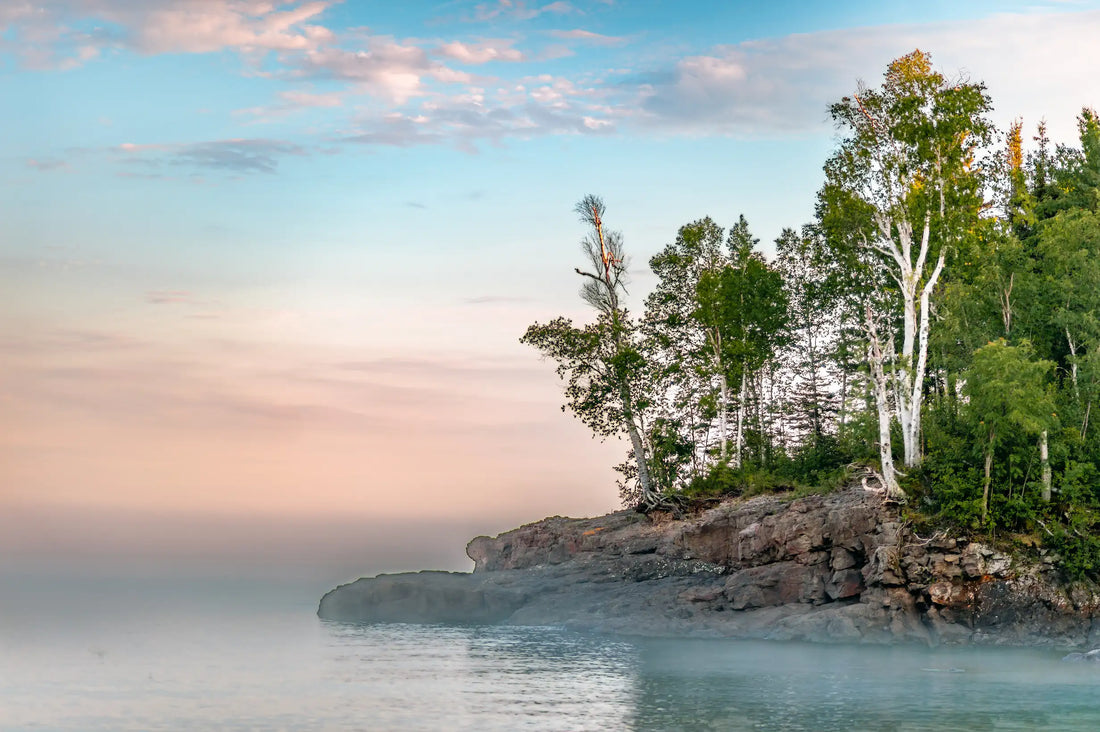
[1079, 554]
[723, 480]
[594, 366]
[773, 355]
[1007, 391]
[744, 304]
[671, 453]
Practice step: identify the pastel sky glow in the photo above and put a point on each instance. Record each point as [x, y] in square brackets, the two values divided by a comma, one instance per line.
[270, 259]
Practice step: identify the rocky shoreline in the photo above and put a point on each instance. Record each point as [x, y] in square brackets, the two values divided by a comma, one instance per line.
[841, 567]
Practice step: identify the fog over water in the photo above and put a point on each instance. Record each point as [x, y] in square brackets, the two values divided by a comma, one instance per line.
[196, 646]
[137, 621]
[325, 548]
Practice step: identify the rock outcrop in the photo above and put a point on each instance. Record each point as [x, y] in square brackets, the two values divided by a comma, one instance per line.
[840, 567]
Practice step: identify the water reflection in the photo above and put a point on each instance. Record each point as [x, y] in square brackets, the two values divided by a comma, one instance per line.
[146, 657]
[517, 678]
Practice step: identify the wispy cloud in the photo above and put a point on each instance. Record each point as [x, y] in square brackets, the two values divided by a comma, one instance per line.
[597, 39]
[46, 165]
[50, 34]
[519, 10]
[293, 101]
[495, 300]
[481, 52]
[168, 297]
[234, 155]
[387, 68]
[784, 85]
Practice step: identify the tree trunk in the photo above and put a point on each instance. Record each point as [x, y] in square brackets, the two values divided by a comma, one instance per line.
[916, 395]
[740, 435]
[815, 405]
[843, 395]
[760, 416]
[988, 478]
[908, 377]
[722, 418]
[878, 378]
[1073, 363]
[1006, 304]
[644, 480]
[1044, 458]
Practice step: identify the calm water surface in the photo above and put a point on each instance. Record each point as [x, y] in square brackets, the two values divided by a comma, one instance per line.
[92, 654]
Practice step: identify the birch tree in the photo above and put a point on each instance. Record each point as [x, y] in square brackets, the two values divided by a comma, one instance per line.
[901, 189]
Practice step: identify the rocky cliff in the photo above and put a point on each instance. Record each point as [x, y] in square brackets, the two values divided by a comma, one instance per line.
[841, 567]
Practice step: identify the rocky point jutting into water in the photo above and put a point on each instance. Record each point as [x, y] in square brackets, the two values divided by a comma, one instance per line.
[841, 567]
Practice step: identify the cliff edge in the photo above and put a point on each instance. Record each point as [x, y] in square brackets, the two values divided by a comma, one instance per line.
[841, 567]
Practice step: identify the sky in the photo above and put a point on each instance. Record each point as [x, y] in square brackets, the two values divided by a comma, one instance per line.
[264, 264]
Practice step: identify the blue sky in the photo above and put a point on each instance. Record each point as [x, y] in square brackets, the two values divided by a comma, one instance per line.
[276, 256]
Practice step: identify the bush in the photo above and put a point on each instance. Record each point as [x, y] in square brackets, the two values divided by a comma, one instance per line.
[724, 480]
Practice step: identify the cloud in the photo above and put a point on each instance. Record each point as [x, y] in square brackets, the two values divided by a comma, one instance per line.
[49, 34]
[464, 121]
[291, 102]
[495, 300]
[784, 85]
[46, 165]
[595, 39]
[480, 53]
[234, 155]
[389, 69]
[761, 88]
[519, 10]
[168, 297]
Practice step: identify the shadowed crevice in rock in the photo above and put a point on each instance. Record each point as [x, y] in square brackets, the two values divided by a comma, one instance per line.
[836, 568]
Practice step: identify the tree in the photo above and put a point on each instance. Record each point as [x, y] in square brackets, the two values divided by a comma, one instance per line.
[813, 325]
[742, 307]
[1068, 270]
[604, 369]
[1074, 176]
[1007, 391]
[680, 349]
[900, 191]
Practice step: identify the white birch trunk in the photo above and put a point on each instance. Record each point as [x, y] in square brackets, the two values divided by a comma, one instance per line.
[1073, 363]
[1044, 458]
[760, 413]
[722, 419]
[908, 375]
[740, 434]
[878, 379]
[644, 480]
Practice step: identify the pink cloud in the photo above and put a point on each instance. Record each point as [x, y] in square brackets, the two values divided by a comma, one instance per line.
[294, 101]
[386, 68]
[167, 297]
[203, 27]
[480, 53]
[519, 10]
[46, 165]
[44, 37]
[597, 39]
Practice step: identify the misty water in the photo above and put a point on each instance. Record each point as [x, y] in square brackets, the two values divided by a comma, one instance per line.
[94, 653]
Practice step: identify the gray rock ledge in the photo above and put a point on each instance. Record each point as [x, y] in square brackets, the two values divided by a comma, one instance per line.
[835, 568]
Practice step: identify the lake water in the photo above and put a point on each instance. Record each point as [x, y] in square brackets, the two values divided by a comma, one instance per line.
[200, 654]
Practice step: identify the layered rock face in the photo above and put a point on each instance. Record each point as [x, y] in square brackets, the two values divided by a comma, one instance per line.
[840, 567]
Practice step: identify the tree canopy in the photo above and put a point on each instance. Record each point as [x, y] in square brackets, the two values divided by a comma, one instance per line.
[941, 313]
